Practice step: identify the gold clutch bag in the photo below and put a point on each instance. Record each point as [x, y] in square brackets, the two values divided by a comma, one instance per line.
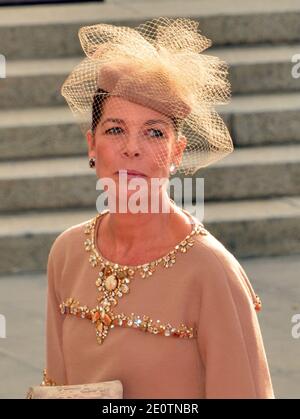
[103, 390]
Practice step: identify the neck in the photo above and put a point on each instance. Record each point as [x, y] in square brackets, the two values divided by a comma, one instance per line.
[128, 232]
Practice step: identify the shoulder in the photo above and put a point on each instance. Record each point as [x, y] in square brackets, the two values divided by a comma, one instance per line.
[217, 255]
[221, 272]
[211, 253]
[69, 241]
[66, 255]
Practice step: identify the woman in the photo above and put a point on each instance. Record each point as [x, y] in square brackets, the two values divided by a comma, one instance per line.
[151, 298]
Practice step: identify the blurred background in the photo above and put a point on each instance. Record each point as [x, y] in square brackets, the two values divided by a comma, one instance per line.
[252, 197]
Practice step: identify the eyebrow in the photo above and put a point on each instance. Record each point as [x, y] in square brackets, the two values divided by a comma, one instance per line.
[119, 121]
[154, 121]
[149, 122]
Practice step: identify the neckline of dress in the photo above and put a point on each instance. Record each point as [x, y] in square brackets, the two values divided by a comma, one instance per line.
[197, 225]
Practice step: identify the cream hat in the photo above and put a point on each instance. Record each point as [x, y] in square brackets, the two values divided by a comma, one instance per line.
[160, 65]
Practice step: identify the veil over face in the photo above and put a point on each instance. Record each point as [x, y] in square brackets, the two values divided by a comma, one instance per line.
[126, 139]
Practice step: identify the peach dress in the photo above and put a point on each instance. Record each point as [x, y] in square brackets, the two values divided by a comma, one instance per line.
[188, 330]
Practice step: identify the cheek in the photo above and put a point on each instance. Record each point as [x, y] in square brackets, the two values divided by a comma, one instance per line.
[162, 157]
[103, 151]
[105, 156]
[159, 147]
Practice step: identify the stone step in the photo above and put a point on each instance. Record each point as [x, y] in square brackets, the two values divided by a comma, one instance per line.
[248, 173]
[51, 31]
[249, 228]
[262, 119]
[45, 132]
[254, 173]
[259, 69]
[39, 132]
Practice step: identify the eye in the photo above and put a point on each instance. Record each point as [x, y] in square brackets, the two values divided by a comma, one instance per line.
[155, 133]
[114, 131]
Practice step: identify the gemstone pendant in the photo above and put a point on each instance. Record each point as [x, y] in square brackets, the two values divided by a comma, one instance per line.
[111, 283]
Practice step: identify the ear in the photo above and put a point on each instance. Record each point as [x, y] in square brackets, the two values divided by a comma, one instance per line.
[90, 138]
[179, 147]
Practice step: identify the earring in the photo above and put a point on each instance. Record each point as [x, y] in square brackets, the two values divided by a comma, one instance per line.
[92, 162]
[173, 169]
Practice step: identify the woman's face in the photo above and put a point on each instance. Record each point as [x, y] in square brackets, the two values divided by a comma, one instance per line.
[132, 137]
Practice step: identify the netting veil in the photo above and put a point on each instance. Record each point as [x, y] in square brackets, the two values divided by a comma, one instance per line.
[158, 65]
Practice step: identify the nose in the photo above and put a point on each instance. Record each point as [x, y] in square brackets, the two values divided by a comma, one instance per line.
[131, 147]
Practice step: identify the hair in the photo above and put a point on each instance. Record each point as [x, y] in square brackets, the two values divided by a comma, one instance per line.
[99, 99]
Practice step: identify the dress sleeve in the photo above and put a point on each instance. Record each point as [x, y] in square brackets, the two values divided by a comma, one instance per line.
[229, 336]
[54, 373]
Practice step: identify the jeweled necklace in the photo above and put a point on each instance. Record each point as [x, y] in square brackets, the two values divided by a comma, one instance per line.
[113, 282]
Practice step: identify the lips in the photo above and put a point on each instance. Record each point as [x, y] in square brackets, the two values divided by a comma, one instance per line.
[130, 172]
